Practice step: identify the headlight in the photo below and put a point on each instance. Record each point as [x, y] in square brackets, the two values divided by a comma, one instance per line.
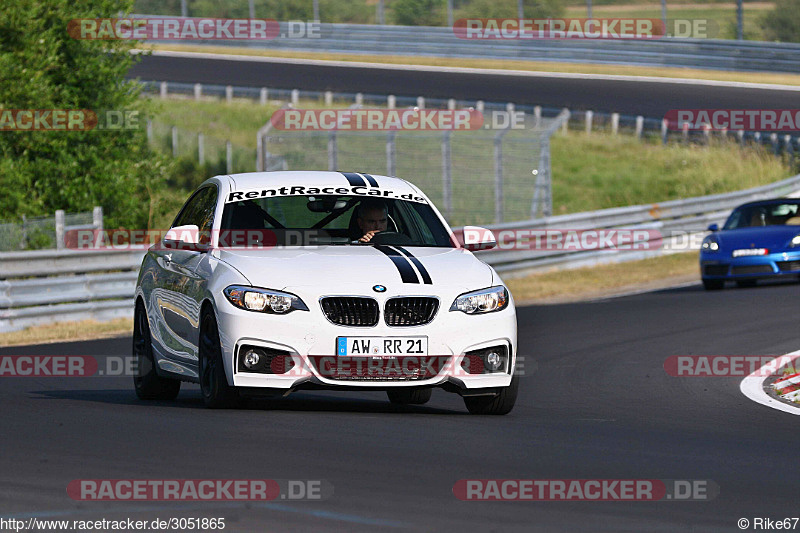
[264, 300]
[710, 244]
[795, 241]
[483, 301]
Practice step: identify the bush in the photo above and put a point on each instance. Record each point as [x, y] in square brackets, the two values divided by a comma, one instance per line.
[42, 67]
[783, 22]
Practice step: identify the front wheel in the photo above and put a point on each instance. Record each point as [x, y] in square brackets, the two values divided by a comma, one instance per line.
[409, 396]
[500, 404]
[148, 384]
[217, 394]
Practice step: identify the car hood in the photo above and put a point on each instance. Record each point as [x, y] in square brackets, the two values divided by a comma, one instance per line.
[341, 269]
[774, 238]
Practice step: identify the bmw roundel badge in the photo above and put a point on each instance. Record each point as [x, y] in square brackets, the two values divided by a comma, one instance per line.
[379, 288]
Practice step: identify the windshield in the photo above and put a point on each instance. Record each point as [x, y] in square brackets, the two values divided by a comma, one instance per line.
[331, 220]
[777, 214]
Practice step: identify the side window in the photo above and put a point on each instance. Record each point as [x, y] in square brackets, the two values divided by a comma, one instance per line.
[199, 211]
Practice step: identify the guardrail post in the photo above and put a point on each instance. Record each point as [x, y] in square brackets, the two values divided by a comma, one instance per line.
[707, 132]
[359, 99]
[740, 135]
[451, 104]
[97, 218]
[163, 89]
[201, 152]
[149, 128]
[789, 149]
[724, 134]
[664, 130]
[614, 123]
[229, 93]
[174, 141]
[537, 116]
[589, 116]
[685, 132]
[262, 96]
[333, 152]
[510, 109]
[757, 137]
[390, 153]
[480, 106]
[328, 98]
[295, 99]
[198, 91]
[498, 175]
[60, 229]
[228, 157]
[565, 124]
[421, 102]
[391, 101]
[639, 126]
[447, 177]
[773, 139]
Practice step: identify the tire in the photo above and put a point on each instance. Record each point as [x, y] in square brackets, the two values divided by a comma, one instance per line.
[148, 384]
[217, 394]
[501, 404]
[746, 283]
[713, 284]
[409, 396]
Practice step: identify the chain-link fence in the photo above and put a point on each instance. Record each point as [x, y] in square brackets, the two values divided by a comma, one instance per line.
[483, 176]
[45, 232]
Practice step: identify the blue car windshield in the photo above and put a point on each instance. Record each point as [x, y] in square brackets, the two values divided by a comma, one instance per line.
[774, 214]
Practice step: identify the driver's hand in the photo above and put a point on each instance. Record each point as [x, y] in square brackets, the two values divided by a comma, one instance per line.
[368, 235]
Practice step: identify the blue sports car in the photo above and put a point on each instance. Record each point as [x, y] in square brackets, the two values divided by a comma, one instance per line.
[759, 240]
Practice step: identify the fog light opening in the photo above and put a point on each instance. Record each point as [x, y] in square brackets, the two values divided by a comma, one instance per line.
[251, 359]
[493, 361]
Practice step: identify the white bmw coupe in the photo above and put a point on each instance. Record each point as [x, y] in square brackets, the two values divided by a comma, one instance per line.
[273, 282]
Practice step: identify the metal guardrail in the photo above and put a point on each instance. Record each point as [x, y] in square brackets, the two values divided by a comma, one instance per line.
[45, 286]
[716, 54]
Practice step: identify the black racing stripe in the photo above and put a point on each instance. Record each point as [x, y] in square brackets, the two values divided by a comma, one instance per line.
[417, 263]
[354, 179]
[370, 179]
[407, 273]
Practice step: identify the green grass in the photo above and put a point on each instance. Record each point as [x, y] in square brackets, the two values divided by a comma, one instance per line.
[723, 17]
[589, 172]
[601, 171]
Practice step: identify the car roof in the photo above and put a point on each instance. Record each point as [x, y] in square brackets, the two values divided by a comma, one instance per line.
[771, 201]
[317, 178]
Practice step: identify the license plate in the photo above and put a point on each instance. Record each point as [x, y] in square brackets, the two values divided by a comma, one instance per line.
[381, 346]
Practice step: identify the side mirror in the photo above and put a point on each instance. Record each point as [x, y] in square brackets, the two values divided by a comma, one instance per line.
[713, 227]
[477, 238]
[184, 237]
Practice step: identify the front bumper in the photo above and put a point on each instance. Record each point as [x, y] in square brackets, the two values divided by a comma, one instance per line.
[712, 266]
[303, 335]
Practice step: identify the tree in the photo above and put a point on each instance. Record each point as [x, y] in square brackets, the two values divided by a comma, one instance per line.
[783, 22]
[42, 67]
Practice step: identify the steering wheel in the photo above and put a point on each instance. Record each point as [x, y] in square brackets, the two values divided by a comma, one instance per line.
[390, 237]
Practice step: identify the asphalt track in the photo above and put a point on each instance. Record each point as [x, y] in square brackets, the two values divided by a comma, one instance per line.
[598, 406]
[622, 96]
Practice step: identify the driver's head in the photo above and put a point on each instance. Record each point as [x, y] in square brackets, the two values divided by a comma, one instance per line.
[373, 215]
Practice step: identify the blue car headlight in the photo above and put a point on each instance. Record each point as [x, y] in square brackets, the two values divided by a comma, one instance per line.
[710, 244]
[795, 242]
[264, 300]
[482, 301]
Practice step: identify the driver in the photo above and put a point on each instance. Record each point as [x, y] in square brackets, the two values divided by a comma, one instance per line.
[373, 217]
